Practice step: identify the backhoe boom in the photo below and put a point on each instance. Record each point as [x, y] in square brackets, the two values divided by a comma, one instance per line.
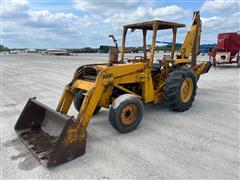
[192, 40]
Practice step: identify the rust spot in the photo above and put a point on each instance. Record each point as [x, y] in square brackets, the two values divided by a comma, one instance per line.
[74, 135]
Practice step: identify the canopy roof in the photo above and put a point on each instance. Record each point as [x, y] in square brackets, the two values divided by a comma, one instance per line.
[148, 25]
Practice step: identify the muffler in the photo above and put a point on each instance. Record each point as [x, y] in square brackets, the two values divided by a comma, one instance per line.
[52, 137]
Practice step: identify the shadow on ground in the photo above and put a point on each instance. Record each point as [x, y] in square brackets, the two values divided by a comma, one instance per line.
[28, 162]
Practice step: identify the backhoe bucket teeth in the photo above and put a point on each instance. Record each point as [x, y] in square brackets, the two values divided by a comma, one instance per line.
[52, 137]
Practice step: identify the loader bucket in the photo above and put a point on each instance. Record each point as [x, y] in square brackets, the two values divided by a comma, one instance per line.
[52, 137]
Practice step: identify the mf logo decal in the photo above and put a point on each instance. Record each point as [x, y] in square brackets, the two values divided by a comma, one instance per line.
[107, 76]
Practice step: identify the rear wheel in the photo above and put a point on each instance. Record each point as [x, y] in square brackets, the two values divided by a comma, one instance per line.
[180, 89]
[78, 100]
[126, 113]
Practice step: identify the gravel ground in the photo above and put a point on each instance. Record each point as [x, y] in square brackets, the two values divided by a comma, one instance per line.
[201, 143]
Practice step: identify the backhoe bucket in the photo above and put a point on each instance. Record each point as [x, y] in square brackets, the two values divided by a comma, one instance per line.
[52, 137]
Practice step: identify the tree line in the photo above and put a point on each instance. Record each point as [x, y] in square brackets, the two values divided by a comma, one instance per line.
[3, 48]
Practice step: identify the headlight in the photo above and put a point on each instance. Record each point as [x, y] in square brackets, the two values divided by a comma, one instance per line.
[170, 64]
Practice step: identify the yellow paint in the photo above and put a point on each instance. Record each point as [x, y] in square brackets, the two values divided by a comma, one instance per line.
[184, 61]
[84, 85]
[148, 91]
[199, 69]
[186, 90]
[125, 76]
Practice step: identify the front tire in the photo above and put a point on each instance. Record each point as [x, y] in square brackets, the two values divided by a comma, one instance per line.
[180, 89]
[126, 113]
[78, 100]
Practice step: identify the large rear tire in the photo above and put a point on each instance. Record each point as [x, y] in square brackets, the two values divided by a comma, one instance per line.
[126, 113]
[180, 89]
[78, 100]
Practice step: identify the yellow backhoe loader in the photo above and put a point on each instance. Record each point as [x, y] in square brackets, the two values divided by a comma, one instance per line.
[121, 85]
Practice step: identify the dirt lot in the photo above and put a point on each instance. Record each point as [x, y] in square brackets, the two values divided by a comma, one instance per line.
[201, 143]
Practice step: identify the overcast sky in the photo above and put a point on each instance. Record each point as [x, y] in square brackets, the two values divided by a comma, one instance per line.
[82, 23]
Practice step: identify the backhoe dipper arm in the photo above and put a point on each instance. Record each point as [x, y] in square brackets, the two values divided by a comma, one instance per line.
[192, 39]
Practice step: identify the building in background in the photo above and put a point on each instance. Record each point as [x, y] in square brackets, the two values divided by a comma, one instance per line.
[30, 51]
[57, 52]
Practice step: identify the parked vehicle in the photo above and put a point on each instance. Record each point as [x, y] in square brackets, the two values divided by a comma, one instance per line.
[228, 49]
[54, 137]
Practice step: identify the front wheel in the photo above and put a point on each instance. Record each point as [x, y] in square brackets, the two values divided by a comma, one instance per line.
[126, 113]
[180, 89]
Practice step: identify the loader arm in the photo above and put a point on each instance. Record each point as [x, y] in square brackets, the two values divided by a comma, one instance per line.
[90, 102]
[92, 97]
[107, 78]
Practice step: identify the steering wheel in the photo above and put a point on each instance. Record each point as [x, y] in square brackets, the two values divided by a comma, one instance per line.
[138, 58]
[126, 60]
